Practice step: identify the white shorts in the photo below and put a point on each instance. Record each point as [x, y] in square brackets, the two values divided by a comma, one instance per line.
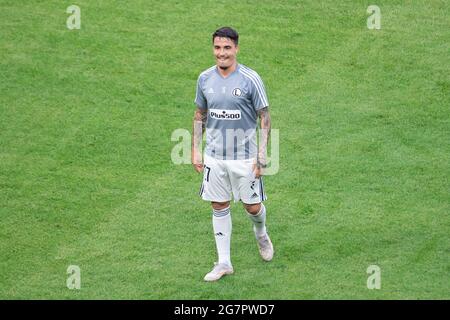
[223, 179]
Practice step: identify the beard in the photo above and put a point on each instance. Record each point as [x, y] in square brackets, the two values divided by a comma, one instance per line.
[224, 65]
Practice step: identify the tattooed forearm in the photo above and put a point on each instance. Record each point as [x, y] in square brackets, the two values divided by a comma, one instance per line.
[200, 116]
[199, 125]
[265, 125]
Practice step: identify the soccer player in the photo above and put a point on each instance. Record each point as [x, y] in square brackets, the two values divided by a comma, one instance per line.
[230, 98]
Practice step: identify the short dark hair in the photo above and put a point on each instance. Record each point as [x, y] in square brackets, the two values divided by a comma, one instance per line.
[226, 32]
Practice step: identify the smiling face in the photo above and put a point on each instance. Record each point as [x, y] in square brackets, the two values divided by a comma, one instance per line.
[225, 51]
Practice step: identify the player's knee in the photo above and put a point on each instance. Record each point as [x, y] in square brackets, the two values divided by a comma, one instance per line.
[253, 208]
[220, 205]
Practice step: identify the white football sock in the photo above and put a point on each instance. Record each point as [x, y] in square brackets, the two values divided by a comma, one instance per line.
[259, 221]
[222, 233]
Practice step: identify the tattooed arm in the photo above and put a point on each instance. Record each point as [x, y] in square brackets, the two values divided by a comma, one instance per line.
[264, 135]
[198, 127]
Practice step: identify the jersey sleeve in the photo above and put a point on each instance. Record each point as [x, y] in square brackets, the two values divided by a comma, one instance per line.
[258, 93]
[200, 99]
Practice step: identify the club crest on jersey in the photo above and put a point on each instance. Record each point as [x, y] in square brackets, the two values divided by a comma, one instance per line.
[225, 114]
[237, 92]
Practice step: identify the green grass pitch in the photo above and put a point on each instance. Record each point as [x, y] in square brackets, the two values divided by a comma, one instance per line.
[86, 176]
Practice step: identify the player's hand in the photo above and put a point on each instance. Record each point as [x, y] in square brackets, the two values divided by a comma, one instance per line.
[198, 167]
[257, 171]
[196, 161]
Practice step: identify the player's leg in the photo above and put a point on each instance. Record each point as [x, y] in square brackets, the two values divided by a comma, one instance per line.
[250, 191]
[222, 232]
[216, 188]
[257, 214]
